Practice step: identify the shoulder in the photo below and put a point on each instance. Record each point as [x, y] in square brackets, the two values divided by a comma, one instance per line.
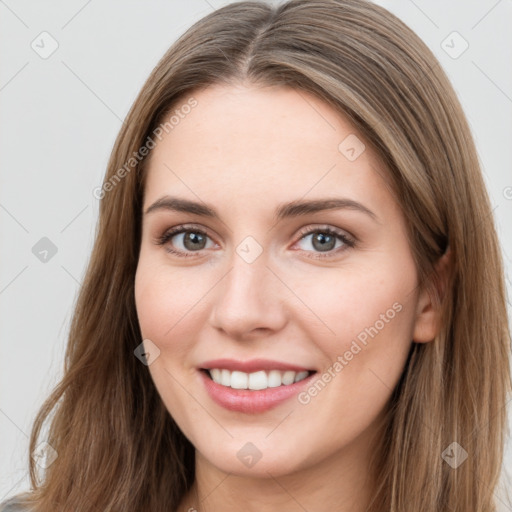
[13, 505]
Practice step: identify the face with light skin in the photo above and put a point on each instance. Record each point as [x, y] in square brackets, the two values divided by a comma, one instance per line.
[245, 151]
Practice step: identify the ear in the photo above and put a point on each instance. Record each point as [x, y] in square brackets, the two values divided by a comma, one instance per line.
[428, 313]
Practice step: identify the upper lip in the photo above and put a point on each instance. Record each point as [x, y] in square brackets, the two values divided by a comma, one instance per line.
[252, 365]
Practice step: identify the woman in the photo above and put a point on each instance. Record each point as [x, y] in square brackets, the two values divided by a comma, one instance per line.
[340, 339]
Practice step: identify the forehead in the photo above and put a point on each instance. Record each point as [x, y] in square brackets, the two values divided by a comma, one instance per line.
[267, 142]
[235, 119]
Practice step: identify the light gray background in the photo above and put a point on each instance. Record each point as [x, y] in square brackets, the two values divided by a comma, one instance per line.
[60, 116]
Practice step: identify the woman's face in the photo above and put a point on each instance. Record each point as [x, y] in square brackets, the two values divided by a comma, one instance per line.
[293, 265]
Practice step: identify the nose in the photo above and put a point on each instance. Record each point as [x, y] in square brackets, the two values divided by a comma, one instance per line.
[249, 301]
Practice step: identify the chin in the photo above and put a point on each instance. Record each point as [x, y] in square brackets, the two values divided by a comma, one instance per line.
[257, 459]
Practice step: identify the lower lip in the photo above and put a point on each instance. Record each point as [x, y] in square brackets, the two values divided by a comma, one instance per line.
[251, 402]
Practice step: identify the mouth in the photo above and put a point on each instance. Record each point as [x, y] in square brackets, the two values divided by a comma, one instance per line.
[253, 386]
[255, 381]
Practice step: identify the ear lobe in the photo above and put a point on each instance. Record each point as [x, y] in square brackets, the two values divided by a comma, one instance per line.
[428, 312]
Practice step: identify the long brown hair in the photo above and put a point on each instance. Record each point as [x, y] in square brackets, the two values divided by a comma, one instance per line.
[118, 447]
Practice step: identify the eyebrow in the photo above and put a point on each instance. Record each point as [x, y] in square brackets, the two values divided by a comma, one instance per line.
[286, 210]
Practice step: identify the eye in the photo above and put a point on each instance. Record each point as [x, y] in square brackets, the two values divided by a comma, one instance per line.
[324, 240]
[191, 239]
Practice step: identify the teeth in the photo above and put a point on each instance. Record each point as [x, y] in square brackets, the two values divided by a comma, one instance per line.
[225, 378]
[274, 379]
[257, 380]
[239, 380]
[216, 374]
[288, 378]
[301, 376]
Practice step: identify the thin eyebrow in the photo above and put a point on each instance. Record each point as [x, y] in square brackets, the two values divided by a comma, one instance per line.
[287, 210]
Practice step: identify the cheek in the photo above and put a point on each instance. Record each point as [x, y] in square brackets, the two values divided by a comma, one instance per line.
[370, 315]
[350, 303]
[168, 308]
[168, 301]
[367, 317]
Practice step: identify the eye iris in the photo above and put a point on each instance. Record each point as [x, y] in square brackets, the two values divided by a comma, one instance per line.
[194, 238]
[326, 242]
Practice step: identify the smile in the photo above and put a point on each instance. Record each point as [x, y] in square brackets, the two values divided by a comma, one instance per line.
[252, 386]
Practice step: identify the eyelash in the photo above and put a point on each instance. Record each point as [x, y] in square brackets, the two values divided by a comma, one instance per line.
[169, 234]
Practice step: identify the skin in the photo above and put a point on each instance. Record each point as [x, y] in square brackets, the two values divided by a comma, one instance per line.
[244, 150]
